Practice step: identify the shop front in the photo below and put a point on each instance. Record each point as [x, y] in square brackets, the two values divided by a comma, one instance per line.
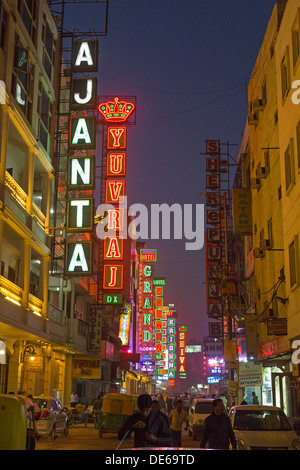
[275, 359]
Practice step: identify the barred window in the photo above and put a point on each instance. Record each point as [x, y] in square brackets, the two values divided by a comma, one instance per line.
[49, 49]
[3, 26]
[45, 118]
[28, 12]
[23, 78]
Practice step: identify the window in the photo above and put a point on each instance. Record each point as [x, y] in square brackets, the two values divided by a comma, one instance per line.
[292, 261]
[267, 161]
[270, 229]
[45, 120]
[27, 10]
[3, 26]
[298, 144]
[22, 79]
[264, 92]
[285, 74]
[49, 49]
[289, 165]
[296, 39]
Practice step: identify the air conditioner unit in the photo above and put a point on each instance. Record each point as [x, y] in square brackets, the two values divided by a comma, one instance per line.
[253, 119]
[266, 244]
[255, 183]
[259, 104]
[261, 172]
[258, 253]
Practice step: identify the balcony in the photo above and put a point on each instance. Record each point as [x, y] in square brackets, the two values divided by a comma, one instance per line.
[35, 304]
[10, 290]
[16, 191]
[21, 197]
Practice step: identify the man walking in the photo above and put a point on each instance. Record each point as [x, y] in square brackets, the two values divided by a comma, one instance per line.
[176, 419]
[137, 422]
[217, 428]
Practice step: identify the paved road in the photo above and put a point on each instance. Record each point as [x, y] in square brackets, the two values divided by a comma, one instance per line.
[87, 438]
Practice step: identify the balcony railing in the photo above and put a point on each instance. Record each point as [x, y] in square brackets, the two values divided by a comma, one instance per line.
[21, 197]
[35, 304]
[40, 217]
[11, 290]
[17, 192]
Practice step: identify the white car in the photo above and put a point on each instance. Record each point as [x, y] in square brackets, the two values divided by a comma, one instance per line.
[50, 417]
[199, 410]
[259, 427]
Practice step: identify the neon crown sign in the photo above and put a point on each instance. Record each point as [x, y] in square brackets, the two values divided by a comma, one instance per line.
[116, 111]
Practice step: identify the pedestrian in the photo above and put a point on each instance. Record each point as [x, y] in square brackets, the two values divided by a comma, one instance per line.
[169, 404]
[137, 422]
[161, 402]
[31, 432]
[158, 431]
[176, 419]
[74, 400]
[217, 428]
[97, 409]
[254, 399]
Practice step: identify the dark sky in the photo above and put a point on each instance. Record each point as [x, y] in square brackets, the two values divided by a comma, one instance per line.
[187, 63]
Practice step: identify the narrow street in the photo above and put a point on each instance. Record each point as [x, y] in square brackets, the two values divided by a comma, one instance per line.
[87, 438]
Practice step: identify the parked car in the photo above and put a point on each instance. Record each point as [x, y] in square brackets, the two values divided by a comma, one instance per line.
[259, 427]
[50, 417]
[200, 408]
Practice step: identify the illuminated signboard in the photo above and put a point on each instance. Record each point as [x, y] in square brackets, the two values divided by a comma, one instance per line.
[116, 111]
[80, 215]
[148, 255]
[79, 258]
[81, 169]
[84, 92]
[84, 56]
[82, 133]
[113, 248]
[214, 214]
[116, 164]
[81, 173]
[113, 276]
[116, 138]
[181, 355]
[125, 324]
[112, 299]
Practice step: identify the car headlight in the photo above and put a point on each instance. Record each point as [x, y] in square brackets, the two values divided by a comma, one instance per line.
[240, 445]
[296, 444]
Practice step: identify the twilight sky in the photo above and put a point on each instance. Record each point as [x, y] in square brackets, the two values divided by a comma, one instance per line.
[187, 62]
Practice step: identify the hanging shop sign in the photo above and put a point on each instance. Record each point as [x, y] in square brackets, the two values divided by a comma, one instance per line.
[181, 352]
[242, 211]
[213, 235]
[95, 312]
[81, 167]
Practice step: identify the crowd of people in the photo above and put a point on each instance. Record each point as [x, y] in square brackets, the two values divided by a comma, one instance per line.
[160, 423]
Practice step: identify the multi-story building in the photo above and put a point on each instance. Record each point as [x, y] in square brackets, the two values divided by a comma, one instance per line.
[268, 159]
[287, 58]
[43, 318]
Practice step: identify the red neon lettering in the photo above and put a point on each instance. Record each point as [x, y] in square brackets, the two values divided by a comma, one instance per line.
[115, 188]
[113, 276]
[116, 164]
[114, 219]
[113, 249]
[116, 133]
